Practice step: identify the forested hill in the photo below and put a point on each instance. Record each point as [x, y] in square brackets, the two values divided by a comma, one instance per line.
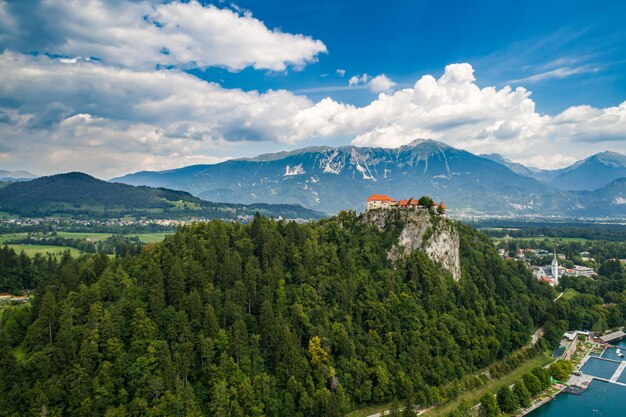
[78, 194]
[265, 319]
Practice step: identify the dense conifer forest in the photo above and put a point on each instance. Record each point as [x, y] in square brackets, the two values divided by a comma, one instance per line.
[271, 318]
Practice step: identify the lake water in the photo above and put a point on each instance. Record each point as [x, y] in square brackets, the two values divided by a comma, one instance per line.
[601, 399]
[600, 368]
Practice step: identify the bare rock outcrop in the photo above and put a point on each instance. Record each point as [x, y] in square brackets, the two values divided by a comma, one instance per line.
[435, 235]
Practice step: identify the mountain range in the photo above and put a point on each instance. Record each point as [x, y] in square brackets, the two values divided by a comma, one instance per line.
[330, 179]
[78, 194]
[12, 176]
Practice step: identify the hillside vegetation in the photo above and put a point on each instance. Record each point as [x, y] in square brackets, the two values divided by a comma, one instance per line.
[78, 194]
[266, 319]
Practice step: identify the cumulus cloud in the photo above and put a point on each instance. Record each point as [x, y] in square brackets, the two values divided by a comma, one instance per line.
[454, 109]
[341, 72]
[145, 34]
[358, 79]
[378, 84]
[381, 83]
[182, 103]
[105, 119]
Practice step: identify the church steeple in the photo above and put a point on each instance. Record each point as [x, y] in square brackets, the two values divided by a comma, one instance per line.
[555, 269]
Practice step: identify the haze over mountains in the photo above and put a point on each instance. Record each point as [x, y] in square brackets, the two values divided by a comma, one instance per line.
[335, 178]
[12, 176]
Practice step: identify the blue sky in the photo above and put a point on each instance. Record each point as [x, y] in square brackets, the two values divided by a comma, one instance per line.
[114, 86]
[504, 41]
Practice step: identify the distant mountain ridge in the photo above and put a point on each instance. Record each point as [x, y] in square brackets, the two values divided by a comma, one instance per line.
[513, 166]
[591, 173]
[77, 193]
[609, 201]
[588, 174]
[330, 179]
[12, 176]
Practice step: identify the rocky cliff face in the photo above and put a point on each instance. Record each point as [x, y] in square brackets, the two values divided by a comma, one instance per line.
[434, 235]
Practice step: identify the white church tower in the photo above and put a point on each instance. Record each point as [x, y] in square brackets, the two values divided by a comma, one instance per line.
[555, 269]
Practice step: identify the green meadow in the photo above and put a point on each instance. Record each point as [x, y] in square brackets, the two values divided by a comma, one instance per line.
[31, 250]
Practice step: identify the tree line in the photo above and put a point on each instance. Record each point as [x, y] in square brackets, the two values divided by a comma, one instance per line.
[272, 318]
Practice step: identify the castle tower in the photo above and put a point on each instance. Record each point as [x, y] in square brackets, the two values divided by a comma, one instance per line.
[555, 269]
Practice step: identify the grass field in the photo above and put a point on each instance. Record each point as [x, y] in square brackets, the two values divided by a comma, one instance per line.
[569, 294]
[94, 237]
[11, 236]
[152, 237]
[472, 396]
[5, 215]
[31, 250]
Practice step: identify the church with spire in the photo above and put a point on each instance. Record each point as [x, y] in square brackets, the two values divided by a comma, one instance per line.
[553, 271]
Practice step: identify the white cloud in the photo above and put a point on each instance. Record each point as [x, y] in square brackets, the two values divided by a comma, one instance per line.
[378, 84]
[341, 72]
[358, 79]
[141, 116]
[454, 109]
[381, 83]
[143, 34]
[561, 72]
[108, 120]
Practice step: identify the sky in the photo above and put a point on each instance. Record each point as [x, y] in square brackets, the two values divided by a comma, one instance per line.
[110, 87]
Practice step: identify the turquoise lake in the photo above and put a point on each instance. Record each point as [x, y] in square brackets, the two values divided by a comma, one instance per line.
[601, 399]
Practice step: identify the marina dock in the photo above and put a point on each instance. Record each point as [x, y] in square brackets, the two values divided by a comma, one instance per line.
[618, 373]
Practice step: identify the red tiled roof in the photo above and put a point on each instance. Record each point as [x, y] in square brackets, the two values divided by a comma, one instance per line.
[413, 202]
[380, 197]
[403, 203]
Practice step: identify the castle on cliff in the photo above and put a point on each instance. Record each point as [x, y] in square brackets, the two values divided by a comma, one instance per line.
[381, 201]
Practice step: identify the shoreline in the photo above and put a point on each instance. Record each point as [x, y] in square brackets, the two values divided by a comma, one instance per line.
[542, 402]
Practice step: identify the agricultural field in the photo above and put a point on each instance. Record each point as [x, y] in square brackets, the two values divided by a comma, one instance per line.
[32, 249]
[93, 237]
[12, 236]
[152, 237]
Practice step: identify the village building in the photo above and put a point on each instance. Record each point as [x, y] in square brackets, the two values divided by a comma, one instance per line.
[580, 271]
[552, 272]
[539, 272]
[612, 337]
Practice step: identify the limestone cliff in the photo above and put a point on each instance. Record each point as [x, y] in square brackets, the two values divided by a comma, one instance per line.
[434, 235]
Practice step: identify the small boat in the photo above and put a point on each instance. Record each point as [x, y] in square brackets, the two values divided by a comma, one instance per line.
[619, 353]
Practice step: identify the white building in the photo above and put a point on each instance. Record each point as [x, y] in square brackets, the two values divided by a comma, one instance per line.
[377, 201]
[580, 271]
